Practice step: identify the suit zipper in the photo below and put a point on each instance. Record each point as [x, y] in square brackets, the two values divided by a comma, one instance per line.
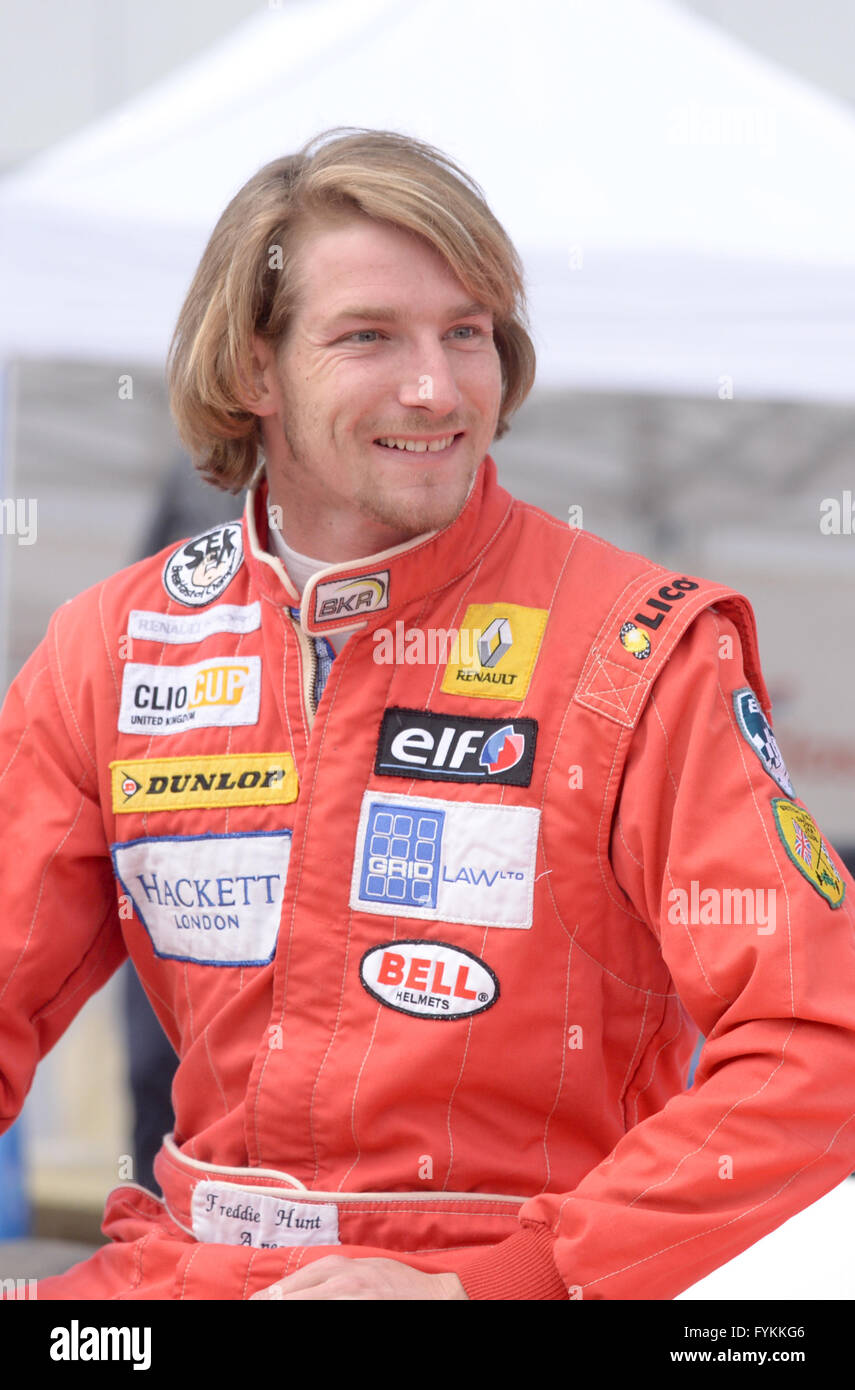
[309, 667]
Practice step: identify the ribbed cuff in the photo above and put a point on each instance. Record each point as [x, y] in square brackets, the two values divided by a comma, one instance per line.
[521, 1267]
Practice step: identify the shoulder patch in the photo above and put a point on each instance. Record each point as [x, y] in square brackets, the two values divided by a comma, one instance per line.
[201, 569]
[757, 732]
[801, 839]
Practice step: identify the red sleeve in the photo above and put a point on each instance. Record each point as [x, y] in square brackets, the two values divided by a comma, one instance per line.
[768, 1126]
[60, 937]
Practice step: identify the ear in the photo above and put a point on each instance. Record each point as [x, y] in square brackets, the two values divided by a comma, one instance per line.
[261, 395]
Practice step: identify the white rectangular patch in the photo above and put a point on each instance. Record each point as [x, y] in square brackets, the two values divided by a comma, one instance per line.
[345, 598]
[208, 899]
[166, 699]
[193, 627]
[229, 1215]
[445, 861]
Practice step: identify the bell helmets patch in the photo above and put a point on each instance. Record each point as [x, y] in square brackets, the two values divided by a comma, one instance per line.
[805, 846]
[757, 732]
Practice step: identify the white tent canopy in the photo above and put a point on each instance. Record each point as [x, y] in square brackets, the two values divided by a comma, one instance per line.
[684, 210]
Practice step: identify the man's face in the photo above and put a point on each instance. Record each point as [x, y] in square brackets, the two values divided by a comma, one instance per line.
[386, 344]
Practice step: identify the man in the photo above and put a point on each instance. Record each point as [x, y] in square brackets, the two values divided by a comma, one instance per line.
[435, 829]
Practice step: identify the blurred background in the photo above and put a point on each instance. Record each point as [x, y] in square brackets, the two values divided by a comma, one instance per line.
[679, 178]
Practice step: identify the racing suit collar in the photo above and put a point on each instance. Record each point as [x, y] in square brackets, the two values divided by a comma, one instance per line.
[346, 597]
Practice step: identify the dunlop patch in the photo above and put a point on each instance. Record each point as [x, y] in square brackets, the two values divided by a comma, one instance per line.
[504, 639]
[801, 839]
[232, 779]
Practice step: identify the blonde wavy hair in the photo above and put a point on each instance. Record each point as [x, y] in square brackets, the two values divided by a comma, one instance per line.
[236, 291]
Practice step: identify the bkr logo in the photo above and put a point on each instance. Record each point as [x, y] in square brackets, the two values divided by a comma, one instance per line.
[339, 598]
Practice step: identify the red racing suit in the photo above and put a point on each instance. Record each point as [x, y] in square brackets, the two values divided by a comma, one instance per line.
[434, 953]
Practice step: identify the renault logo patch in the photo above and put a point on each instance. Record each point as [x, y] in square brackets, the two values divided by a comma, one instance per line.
[198, 571]
[757, 732]
[806, 847]
[232, 779]
[504, 640]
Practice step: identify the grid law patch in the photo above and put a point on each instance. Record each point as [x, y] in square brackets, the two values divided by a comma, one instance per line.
[445, 861]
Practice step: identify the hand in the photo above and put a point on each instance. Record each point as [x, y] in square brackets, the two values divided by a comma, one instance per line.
[341, 1277]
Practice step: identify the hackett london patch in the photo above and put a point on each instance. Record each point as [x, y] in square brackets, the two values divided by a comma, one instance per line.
[757, 732]
[454, 748]
[229, 779]
[449, 861]
[801, 839]
[175, 628]
[226, 1214]
[201, 569]
[164, 700]
[207, 899]
[504, 640]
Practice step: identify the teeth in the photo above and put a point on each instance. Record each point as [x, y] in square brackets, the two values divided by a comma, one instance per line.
[418, 446]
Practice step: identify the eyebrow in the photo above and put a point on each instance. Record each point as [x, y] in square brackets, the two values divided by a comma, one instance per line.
[385, 313]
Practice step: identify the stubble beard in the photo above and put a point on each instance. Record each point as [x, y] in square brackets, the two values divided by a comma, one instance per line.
[425, 507]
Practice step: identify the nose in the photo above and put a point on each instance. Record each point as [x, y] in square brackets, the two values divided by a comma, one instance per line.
[430, 381]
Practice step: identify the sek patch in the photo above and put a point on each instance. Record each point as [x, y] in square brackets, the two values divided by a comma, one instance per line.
[504, 640]
[341, 598]
[166, 699]
[207, 899]
[454, 748]
[757, 732]
[230, 779]
[429, 979]
[201, 569]
[445, 861]
[805, 846]
[226, 1214]
[194, 627]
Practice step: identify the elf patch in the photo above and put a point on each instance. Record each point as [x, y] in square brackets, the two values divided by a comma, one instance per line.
[805, 846]
[757, 732]
[230, 779]
[453, 748]
[207, 899]
[504, 640]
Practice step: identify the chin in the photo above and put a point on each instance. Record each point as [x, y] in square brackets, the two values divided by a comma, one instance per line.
[412, 516]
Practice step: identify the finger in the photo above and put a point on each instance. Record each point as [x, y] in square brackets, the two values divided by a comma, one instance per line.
[306, 1278]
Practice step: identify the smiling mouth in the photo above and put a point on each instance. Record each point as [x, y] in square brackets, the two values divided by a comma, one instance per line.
[419, 446]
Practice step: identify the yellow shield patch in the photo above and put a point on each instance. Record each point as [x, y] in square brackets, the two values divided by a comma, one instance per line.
[495, 651]
[805, 846]
[232, 779]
